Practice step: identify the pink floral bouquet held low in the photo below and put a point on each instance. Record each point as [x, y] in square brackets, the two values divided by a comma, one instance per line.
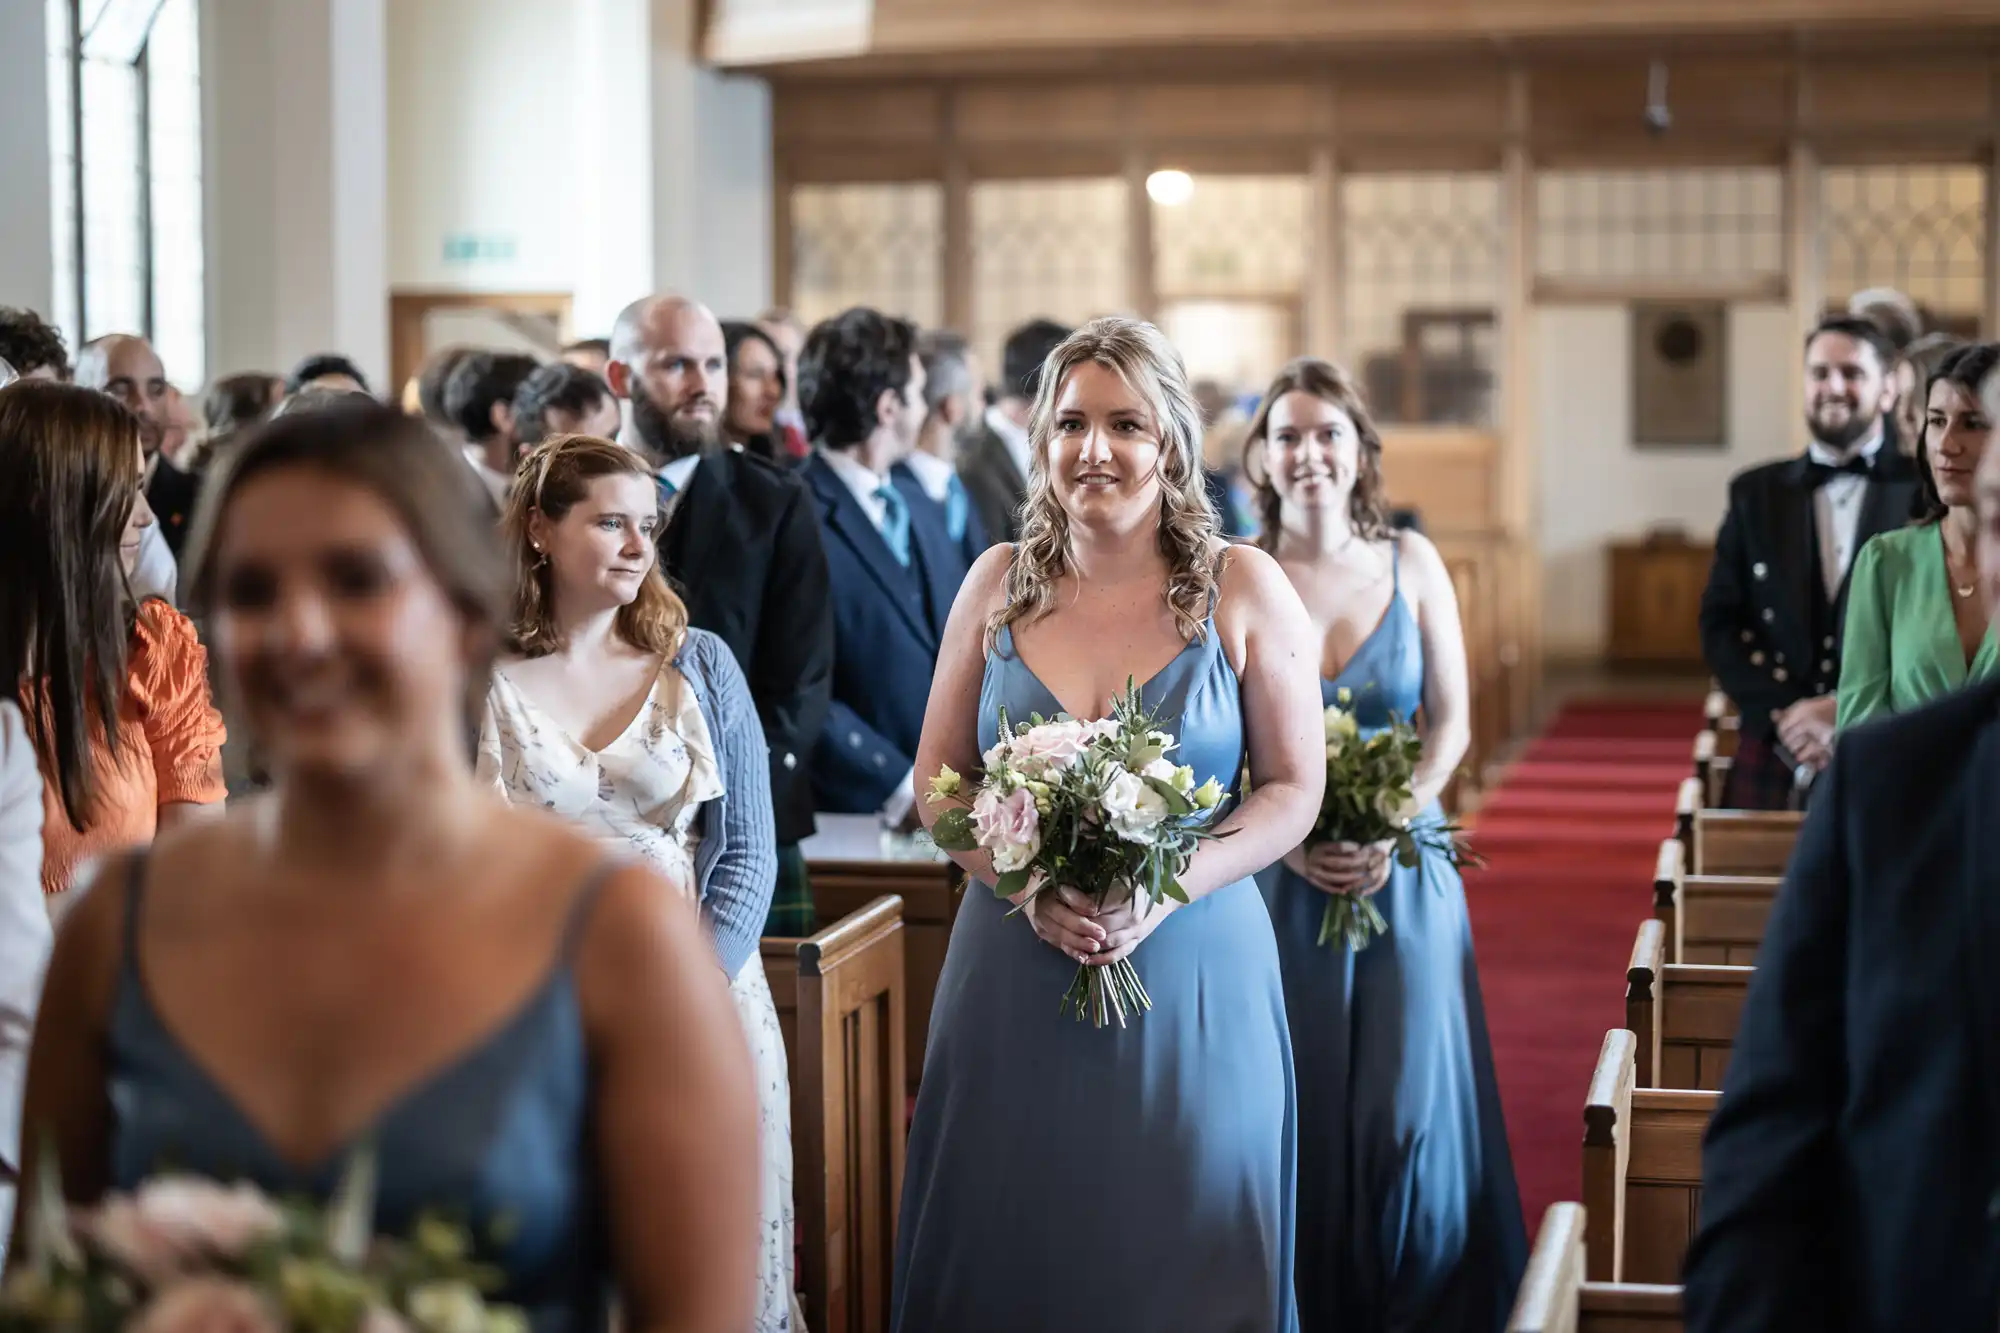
[182, 1254]
[1096, 806]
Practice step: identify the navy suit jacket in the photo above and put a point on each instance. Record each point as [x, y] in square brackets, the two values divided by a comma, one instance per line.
[968, 547]
[887, 624]
[1851, 1176]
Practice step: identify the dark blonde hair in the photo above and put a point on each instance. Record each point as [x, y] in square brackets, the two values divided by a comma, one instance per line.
[1367, 508]
[552, 480]
[1188, 534]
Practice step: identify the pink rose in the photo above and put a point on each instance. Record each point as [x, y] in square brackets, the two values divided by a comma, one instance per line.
[1009, 826]
[175, 1222]
[207, 1305]
[1053, 745]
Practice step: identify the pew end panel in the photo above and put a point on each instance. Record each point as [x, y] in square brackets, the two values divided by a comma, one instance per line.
[1555, 1297]
[1642, 1000]
[1744, 842]
[1704, 767]
[1723, 917]
[1697, 1011]
[1668, 870]
[1662, 1185]
[1607, 1109]
[841, 1004]
[1687, 802]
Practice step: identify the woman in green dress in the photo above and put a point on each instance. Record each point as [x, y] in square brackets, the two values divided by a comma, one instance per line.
[1916, 627]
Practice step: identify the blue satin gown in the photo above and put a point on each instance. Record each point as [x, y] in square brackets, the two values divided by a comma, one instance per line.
[1065, 1177]
[1409, 1217]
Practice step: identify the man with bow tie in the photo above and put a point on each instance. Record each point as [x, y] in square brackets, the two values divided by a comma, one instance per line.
[1771, 614]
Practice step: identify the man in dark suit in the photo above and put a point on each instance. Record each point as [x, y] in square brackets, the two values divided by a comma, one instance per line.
[1772, 613]
[995, 466]
[741, 544]
[895, 571]
[928, 475]
[1851, 1176]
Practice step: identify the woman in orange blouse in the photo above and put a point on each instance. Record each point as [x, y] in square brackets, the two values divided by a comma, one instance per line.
[115, 694]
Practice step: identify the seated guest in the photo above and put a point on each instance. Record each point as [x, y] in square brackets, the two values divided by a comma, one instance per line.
[115, 694]
[994, 466]
[32, 346]
[127, 368]
[894, 573]
[757, 388]
[928, 477]
[611, 712]
[562, 399]
[479, 399]
[24, 936]
[239, 1002]
[1772, 612]
[1915, 625]
[326, 371]
[591, 354]
[1848, 1177]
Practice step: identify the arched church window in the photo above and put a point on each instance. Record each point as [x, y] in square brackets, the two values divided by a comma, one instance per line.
[1917, 228]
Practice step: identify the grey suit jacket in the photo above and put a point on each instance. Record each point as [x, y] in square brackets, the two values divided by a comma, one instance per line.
[25, 936]
[995, 486]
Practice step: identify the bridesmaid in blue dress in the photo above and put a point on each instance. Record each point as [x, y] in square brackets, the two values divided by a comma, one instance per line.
[535, 1041]
[1409, 1218]
[1061, 1176]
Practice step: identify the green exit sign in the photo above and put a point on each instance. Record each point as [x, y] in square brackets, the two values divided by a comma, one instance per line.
[472, 248]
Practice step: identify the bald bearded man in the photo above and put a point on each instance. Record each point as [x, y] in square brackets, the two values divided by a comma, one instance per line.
[742, 546]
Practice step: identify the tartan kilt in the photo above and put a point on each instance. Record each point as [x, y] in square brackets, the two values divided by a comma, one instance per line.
[1758, 779]
[792, 914]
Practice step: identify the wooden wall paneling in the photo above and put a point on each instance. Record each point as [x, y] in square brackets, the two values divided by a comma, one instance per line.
[1224, 110]
[1234, 157]
[1738, 104]
[1140, 270]
[1804, 262]
[1034, 161]
[1871, 94]
[1438, 101]
[1040, 112]
[1992, 324]
[903, 112]
[1446, 473]
[1325, 279]
[783, 253]
[956, 261]
[855, 163]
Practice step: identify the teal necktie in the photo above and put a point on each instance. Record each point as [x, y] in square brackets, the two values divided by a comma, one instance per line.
[956, 508]
[667, 490]
[895, 522]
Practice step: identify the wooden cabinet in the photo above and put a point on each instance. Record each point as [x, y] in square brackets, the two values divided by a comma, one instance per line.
[1655, 601]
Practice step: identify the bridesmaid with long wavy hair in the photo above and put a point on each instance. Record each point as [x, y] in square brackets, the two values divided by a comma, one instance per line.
[1409, 1218]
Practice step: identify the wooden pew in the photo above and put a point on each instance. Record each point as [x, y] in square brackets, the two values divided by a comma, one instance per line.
[1705, 769]
[841, 999]
[1710, 918]
[1684, 1016]
[1555, 1297]
[852, 863]
[1744, 842]
[1687, 804]
[1666, 891]
[1641, 1169]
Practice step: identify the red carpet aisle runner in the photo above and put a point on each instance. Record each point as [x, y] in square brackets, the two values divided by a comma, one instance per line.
[1570, 836]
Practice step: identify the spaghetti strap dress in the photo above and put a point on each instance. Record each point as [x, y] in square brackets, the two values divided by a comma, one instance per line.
[1409, 1217]
[1065, 1177]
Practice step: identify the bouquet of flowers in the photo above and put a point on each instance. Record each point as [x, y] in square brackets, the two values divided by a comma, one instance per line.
[183, 1254]
[1096, 806]
[1368, 800]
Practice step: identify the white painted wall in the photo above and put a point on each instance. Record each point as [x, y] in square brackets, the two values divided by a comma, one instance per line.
[1596, 487]
[27, 262]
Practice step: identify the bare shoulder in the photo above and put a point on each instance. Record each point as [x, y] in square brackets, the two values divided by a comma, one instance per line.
[1253, 584]
[641, 937]
[1424, 566]
[987, 579]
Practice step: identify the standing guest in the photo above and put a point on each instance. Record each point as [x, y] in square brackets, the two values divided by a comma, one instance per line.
[1915, 627]
[893, 572]
[1848, 1175]
[591, 354]
[742, 547]
[326, 371]
[127, 368]
[788, 335]
[232, 405]
[32, 346]
[525, 1030]
[928, 476]
[758, 386]
[1061, 1176]
[430, 382]
[562, 399]
[24, 936]
[115, 692]
[173, 475]
[1409, 1217]
[995, 466]
[611, 712]
[479, 399]
[1902, 323]
[1772, 614]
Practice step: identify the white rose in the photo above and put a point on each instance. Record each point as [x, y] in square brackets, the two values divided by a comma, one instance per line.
[1162, 770]
[1399, 811]
[448, 1307]
[1132, 808]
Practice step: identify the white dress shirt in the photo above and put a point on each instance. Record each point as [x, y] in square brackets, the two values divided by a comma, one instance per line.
[25, 933]
[864, 481]
[154, 573]
[1011, 435]
[1837, 512]
[933, 473]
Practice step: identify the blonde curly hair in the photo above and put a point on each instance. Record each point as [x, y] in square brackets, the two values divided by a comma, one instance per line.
[1189, 536]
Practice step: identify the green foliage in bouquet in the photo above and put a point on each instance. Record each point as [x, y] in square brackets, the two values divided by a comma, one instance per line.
[1095, 806]
[183, 1254]
[1369, 799]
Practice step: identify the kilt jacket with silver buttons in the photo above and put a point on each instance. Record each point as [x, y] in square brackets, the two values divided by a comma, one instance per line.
[1768, 632]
